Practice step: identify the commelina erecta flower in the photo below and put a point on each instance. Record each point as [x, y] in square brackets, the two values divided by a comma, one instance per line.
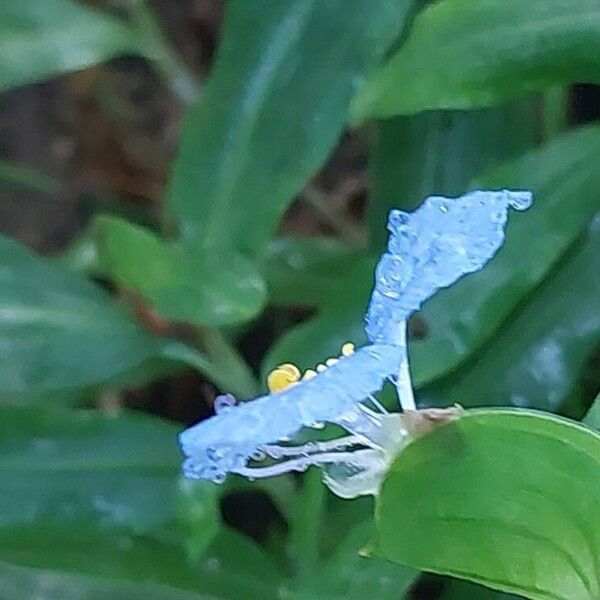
[428, 249]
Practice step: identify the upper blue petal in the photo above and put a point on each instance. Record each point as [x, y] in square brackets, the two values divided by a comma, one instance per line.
[431, 248]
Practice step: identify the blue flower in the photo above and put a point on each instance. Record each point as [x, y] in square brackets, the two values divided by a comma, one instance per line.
[444, 239]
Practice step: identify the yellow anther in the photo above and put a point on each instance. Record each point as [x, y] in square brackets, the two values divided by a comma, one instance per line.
[331, 361]
[348, 349]
[321, 368]
[309, 374]
[283, 377]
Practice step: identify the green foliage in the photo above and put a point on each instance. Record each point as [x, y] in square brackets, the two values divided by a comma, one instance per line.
[536, 358]
[272, 111]
[61, 466]
[49, 314]
[181, 286]
[503, 498]
[41, 38]
[535, 242]
[468, 54]
[92, 504]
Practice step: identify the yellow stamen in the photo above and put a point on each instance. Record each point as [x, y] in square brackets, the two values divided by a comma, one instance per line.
[288, 374]
[283, 377]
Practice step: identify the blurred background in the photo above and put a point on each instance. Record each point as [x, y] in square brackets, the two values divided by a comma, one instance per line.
[123, 140]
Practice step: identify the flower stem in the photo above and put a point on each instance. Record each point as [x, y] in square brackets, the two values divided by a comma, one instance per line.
[403, 381]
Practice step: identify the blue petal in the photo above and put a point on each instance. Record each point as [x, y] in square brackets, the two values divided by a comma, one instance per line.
[431, 248]
[228, 440]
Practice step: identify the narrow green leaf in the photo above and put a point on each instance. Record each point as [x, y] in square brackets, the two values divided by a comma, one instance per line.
[306, 522]
[441, 152]
[592, 419]
[341, 319]
[59, 331]
[198, 519]
[536, 359]
[207, 290]
[59, 466]
[273, 109]
[460, 590]
[306, 271]
[42, 38]
[473, 53]
[565, 180]
[347, 574]
[117, 561]
[458, 321]
[44, 584]
[506, 498]
[19, 176]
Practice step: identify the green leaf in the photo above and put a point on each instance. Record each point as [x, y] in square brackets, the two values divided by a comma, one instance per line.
[509, 499]
[59, 466]
[272, 111]
[44, 584]
[592, 419]
[459, 320]
[347, 574]
[207, 290]
[41, 38]
[537, 357]
[306, 271]
[564, 178]
[460, 590]
[341, 319]
[198, 520]
[441, 152]
[22, 177]
[59, 331]
[473, 53]
[82, 557]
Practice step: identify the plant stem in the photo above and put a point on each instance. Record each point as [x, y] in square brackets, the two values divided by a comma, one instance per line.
[157, 48]
[232, 367]
[554, 111]
[307, 521]
[403, 383]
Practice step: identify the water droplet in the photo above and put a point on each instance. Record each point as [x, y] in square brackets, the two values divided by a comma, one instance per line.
[224, 403]
[219, 477]
[258, 455]
[519, 200]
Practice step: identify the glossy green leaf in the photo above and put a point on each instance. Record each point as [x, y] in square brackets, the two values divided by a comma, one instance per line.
[473, 53]
[460, 590]
[441, 152]
[340, 320]
[459, 320]
[276, 102]
[198, 518]
[536, 359]
[58, 466]
[306, 271]
[43, 38]
[116, 561]
[347, 574]
[565, 181]
[59, 331]
[44, 584]
[506, 498]
[592, 419]
[180, 285]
